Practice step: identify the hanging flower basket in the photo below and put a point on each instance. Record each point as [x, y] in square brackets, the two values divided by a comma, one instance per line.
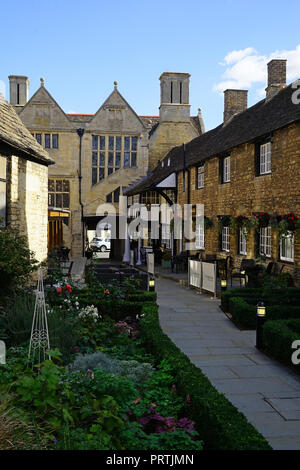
[208, 223]
[288, 223]
[240, 222]
[223, 221]
[261, 219]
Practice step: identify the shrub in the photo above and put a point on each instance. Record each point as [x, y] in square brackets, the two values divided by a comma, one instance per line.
[133, 370]
[16, 260]
[243, 314]
[218, 422]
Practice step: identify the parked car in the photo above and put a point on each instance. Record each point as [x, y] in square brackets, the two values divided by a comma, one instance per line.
[100, 244]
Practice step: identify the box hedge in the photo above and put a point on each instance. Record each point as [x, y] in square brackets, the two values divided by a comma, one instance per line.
[278, 337]
[220, 424]
[244, 314]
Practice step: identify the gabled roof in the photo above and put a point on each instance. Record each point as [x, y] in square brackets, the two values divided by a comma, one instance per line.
[14, 133]
[255, 122]
[116, 94]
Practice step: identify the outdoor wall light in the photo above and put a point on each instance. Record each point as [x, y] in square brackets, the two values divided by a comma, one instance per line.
[223, 284]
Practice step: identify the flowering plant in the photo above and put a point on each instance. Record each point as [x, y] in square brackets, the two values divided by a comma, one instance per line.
[261, 219]
[89, 313]
[240, 222]
[288, 223]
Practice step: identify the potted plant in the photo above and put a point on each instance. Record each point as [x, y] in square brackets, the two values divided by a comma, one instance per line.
[288, 223]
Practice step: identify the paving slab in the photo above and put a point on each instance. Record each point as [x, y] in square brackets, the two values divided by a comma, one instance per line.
[266, 392]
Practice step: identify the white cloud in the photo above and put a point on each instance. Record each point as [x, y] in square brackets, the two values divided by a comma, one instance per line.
[246, 68]
[2, 88]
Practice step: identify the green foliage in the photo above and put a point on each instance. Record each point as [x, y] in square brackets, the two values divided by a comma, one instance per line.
[278, 337]
[16, 260]
[218, 422]
[133, 370]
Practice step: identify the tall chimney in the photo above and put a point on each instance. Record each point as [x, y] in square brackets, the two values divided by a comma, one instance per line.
[276, 77]
[235, 101]
[18, 90]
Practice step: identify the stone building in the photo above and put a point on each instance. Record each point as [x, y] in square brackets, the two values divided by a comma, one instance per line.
[23, 181]
[248, 167]
[97, 156]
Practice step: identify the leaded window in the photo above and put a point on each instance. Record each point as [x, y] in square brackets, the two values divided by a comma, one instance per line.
[110, 153]
[59, 193]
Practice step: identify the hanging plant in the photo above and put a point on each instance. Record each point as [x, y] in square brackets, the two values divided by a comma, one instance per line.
[261, 219]
[288, 223]
[240, 222]
[223, 221]
[208, 223]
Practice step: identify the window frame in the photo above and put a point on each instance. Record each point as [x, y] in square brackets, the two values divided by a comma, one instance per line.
[200, 179]
[265, 236]
[225, 239]
[242, 241]
[265, 154]
[291, 237]
[62, 193]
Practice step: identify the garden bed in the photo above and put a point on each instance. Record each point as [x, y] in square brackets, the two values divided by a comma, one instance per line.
[114, 381]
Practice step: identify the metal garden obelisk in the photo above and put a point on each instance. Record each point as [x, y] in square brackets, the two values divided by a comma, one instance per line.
[39, 340]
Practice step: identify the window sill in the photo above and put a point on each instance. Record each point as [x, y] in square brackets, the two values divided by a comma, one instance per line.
[286, 261]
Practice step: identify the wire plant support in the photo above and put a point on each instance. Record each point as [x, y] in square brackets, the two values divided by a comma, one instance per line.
[39, 339]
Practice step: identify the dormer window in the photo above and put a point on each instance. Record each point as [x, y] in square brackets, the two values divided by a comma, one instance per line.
[169, 161]
[162, 164]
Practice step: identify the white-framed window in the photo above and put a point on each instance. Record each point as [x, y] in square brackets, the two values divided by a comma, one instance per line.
[243, 241]
[166, 235]
[200, 177]
[265, 158]
[265, 241]
[226, 170]
[287, 247]
[200, 236]
[225, 239]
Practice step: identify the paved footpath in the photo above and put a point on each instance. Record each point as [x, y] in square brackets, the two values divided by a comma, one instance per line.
[267, 393]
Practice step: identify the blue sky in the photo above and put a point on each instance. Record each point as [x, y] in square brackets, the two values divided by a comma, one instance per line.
[81, 47]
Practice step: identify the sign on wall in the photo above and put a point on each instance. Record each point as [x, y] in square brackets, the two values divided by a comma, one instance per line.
[150, 263]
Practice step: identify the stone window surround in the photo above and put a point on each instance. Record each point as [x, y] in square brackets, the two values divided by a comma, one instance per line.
[107, 158]
[42, 140]
[63, 192]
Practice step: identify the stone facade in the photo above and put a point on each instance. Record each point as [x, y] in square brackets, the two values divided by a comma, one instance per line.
[27, 208]
[246, 194]
[150, 138]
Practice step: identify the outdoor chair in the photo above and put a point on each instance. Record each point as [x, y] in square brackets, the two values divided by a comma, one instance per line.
[180, 262]
[241, 272]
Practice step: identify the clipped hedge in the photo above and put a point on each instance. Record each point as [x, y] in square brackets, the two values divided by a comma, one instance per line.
[220, 424]
[278, 337]
[143, 296]
[244, 313]
[290, 296]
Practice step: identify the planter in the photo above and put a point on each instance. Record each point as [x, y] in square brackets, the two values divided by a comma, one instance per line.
[166, 264]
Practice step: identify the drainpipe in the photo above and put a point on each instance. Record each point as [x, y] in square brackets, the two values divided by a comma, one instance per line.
[80, 133]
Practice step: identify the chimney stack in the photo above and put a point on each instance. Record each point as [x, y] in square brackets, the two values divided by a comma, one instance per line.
[276, 77]
[18, 90]
[235, 101]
